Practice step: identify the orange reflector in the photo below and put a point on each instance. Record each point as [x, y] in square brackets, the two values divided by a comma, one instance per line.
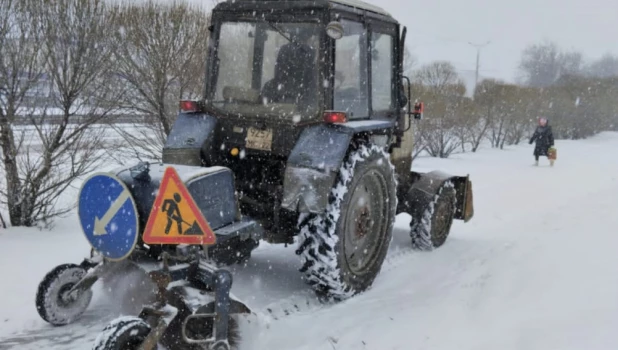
[187, 106]
[419, 107]
[335, 117]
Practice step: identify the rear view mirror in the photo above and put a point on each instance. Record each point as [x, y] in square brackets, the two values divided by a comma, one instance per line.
[334, 30]
[405, 100]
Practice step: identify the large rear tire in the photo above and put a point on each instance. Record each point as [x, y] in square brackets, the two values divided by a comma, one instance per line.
[431, 230]
[343, 248]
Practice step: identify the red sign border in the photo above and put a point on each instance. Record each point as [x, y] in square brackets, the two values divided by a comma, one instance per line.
[208, 238]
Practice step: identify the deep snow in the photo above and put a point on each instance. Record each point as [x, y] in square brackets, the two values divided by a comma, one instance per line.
[536, 268]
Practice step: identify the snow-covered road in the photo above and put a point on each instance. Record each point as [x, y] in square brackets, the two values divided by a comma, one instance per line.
[535, 269]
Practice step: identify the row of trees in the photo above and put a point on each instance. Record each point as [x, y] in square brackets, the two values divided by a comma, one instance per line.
[88, 61]
[577, 98]
[545, 63]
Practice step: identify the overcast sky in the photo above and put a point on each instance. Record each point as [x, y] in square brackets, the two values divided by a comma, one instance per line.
[441, 29]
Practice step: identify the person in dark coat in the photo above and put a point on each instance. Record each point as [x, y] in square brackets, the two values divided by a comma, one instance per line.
[544, 138]
[295, 72]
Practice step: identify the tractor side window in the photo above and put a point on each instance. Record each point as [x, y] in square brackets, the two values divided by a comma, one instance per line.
[235, 55]
[382, 64]
[351, 88]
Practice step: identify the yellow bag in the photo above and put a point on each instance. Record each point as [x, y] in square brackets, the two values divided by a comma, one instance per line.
[552, 154]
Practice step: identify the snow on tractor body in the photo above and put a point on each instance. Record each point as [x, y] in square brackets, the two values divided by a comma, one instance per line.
[304, 133]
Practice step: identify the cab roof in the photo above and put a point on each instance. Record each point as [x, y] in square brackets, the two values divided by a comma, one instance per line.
[355, 4]
[362, 5]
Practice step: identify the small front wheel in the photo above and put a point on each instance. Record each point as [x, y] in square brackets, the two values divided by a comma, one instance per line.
[54, 301]
[124, 333]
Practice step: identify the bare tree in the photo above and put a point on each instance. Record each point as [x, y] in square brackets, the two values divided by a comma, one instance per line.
[578, 99]
[161, 60]
[500, 104]
[479, 116]
[438, 76]
[526, 104]
[67, 41]
[442, 90]
[543, 64]
[20, 70]
[605, 67]
[468, 119]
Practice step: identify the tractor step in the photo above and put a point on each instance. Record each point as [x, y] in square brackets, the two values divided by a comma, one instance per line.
[244, 229]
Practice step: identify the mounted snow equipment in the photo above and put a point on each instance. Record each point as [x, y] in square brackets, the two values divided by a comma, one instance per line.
[305, 104]
[125, 215]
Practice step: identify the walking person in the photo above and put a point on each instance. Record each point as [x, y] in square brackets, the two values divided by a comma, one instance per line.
[544, 138]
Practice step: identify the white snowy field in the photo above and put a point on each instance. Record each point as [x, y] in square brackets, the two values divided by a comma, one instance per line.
[105, 132]
[536, 268]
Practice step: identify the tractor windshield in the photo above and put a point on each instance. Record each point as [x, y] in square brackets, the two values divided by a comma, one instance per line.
[266, 69]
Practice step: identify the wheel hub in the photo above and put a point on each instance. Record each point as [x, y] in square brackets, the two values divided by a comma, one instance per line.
[364, 222]
[66, 297]
[441, 220]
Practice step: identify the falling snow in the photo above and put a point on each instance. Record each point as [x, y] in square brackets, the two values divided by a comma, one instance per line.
[510, 260]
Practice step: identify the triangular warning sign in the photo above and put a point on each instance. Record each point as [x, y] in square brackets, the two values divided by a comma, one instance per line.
[175, 218]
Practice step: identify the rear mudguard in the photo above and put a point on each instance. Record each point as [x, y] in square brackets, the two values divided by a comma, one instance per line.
[427, 185]
[314, 163]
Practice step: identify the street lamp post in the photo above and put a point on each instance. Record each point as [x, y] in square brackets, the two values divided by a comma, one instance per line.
[478, 56]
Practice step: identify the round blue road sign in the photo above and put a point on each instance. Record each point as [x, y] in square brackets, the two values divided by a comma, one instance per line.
[108, 216]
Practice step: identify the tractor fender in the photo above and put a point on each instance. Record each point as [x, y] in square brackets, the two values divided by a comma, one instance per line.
[312, 167]
[316, 158]
[422, 193]
[191, 135]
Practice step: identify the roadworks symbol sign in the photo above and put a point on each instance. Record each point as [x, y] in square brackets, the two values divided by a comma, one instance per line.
[175, 218]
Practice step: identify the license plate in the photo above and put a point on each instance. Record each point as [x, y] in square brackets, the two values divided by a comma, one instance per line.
[259, 139]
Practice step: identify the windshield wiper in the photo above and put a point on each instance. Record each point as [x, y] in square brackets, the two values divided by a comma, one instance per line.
[282, 33]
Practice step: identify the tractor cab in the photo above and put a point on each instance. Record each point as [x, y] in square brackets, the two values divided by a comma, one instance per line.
[302, 62]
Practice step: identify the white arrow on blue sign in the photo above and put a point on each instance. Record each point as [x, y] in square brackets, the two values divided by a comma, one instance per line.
[108, 215]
